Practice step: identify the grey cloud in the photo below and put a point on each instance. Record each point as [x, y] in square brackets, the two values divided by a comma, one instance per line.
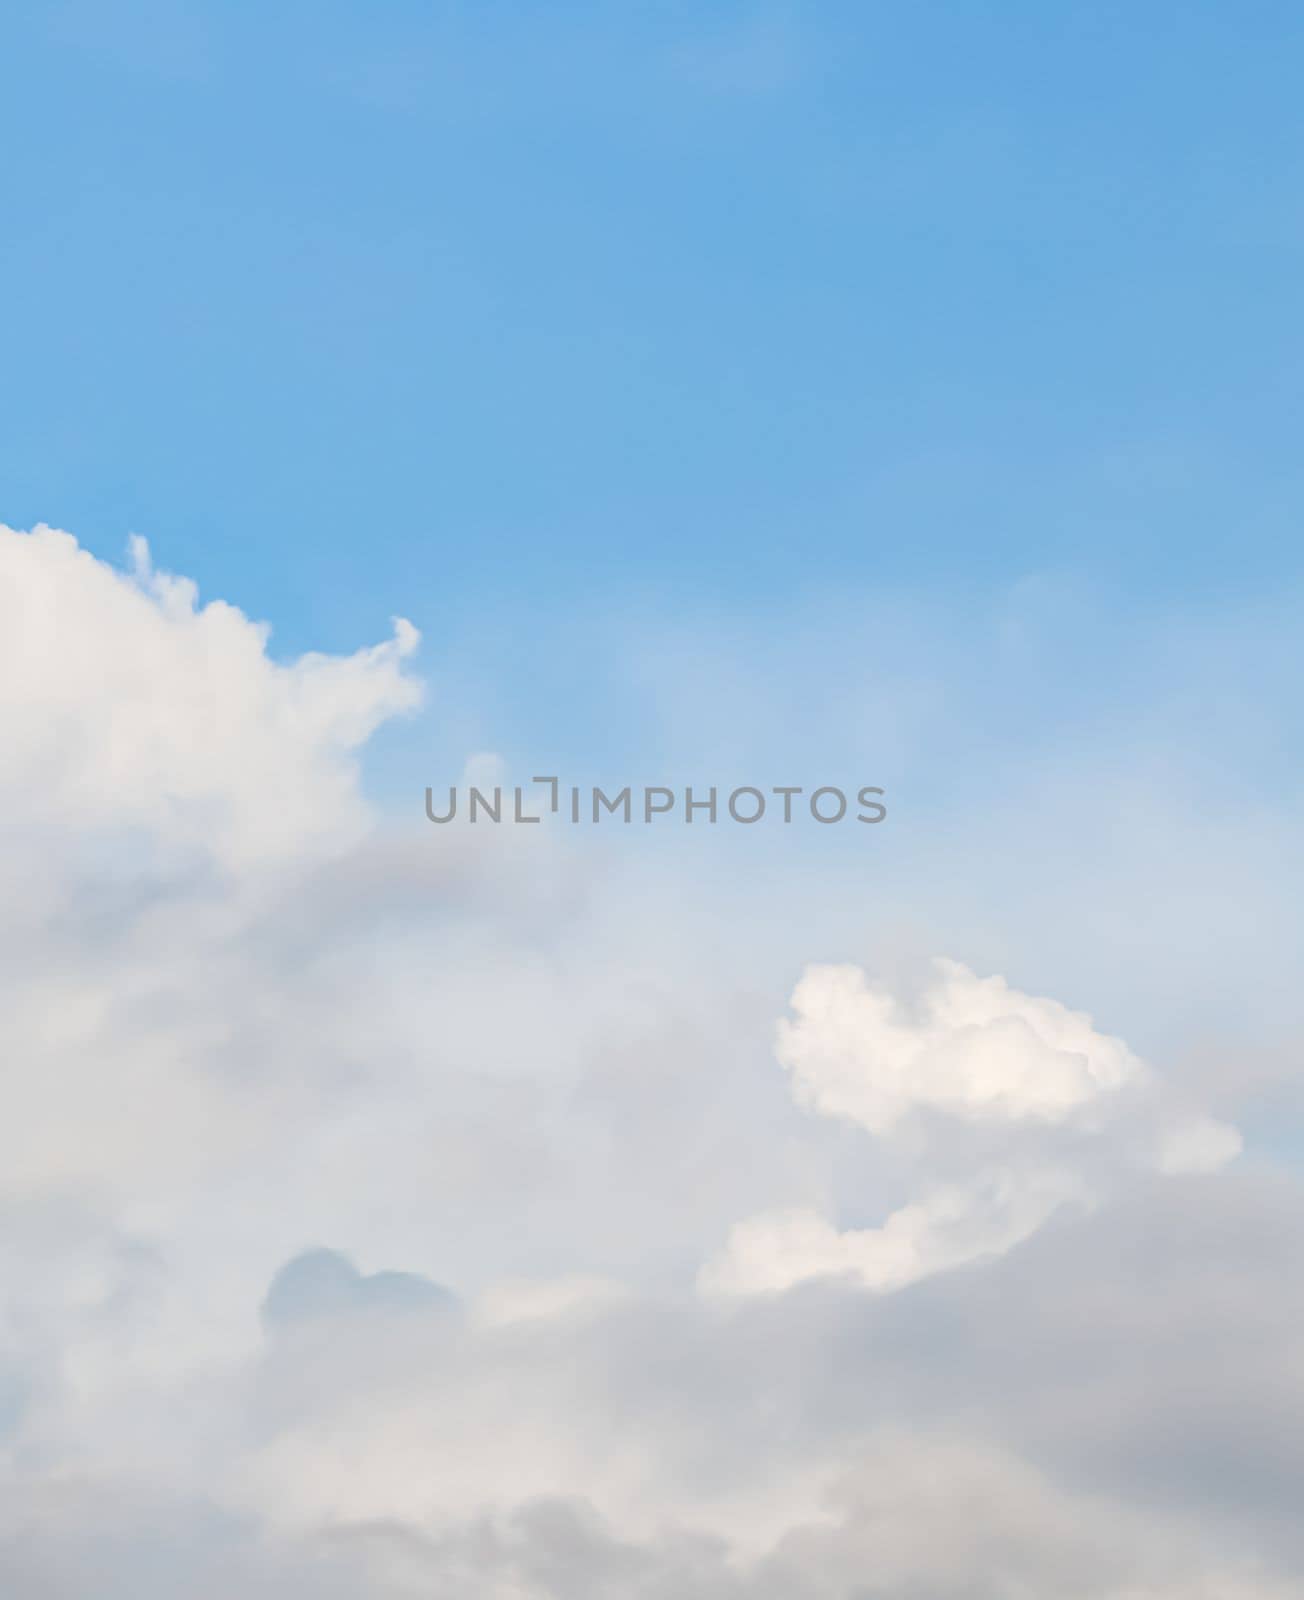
[324, 1283]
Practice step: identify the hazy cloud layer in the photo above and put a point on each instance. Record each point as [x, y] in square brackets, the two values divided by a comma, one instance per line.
[397, 1213]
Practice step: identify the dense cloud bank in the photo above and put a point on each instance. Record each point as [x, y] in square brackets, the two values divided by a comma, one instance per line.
[386, 1214]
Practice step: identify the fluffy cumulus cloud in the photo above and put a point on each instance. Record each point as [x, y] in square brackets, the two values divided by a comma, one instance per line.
[387, 1212]
[127, 706]
[974, 1054]
[974, 1048]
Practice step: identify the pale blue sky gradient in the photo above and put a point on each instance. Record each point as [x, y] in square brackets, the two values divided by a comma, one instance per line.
[839, 393]
[506, 309]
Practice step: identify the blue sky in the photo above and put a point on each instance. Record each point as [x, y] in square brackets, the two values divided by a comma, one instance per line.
[898, 394]
[507, 310]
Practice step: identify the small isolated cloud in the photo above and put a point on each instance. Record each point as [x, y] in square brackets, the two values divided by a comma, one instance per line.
[970, 1047]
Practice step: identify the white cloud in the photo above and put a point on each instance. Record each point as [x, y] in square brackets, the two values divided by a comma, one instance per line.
[129, 707]
[972, 1048]
[976, 1053]
[275, 1069]
[946, 1227]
